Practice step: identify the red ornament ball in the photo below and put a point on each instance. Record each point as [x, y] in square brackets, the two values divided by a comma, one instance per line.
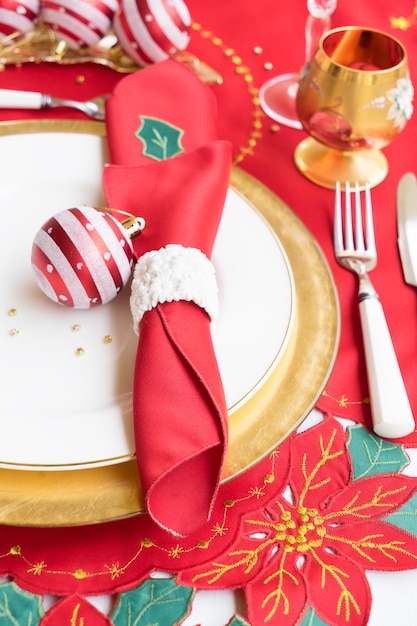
[82, 257]
[18, 16]
[150, 31]
[80, 23]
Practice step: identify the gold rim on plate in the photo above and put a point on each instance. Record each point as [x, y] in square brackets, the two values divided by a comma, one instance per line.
[276, 409]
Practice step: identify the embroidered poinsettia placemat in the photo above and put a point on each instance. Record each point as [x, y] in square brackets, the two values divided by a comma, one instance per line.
[297, 534]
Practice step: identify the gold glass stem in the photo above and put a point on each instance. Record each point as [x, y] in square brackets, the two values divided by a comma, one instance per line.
[325, 166]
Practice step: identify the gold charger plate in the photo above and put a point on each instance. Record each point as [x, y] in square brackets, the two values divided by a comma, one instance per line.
[279, 405]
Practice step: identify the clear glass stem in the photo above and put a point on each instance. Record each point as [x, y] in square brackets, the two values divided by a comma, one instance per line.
[315, 29]
[278, 95]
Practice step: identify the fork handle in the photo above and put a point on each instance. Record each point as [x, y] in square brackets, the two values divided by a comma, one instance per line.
[391, 412]
[14, 99]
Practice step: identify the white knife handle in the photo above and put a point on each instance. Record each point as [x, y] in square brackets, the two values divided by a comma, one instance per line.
[391, 411]
[13, 99]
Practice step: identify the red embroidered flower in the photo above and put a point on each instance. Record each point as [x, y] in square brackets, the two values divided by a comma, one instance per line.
[311, 549]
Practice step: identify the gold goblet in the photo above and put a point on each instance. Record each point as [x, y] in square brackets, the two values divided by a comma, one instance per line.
[354, 97]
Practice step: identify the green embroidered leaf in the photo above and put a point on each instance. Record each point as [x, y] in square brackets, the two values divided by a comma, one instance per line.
[237, 621]
[311, 619]
[406, 516]
[160, 139]
[156, 602]
[372, 455]
[19, 607]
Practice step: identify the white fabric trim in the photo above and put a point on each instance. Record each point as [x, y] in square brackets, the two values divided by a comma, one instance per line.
[171, 274]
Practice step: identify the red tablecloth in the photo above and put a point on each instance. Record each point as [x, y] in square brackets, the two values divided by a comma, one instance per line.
[248, 43]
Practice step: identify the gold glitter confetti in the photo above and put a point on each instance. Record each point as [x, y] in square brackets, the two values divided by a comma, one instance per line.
[107, 338]
[80, 79]
[60, 48]
[268, 65]
[12, 312]
[275, 128]
[403, 23]
[76, 328]
[14, 332]
[243, 71]
[80, 351]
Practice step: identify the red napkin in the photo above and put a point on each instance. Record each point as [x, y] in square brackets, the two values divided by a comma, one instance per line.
[165, 91]
[180, 414]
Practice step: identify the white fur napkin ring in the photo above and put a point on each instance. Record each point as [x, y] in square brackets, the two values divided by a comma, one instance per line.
[173, 273]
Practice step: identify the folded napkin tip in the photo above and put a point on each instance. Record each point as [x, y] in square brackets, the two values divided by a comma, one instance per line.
[181, 500]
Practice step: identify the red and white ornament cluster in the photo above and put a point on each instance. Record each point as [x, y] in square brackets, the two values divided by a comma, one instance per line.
[148, 31]
[18, 16]
[152, 30]
[82, 257]
[81, 23]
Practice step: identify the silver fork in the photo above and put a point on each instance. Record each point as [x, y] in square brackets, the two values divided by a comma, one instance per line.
[390, 408]
[13, 99]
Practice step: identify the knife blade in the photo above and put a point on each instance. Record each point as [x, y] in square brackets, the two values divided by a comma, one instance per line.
[407, 226]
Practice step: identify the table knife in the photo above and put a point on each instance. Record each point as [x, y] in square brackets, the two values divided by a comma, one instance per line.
[407, 226]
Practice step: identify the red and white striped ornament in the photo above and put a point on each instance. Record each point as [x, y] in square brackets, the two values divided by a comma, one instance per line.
[80, 23]
[82, 257]
[18, 16]
[152, 30]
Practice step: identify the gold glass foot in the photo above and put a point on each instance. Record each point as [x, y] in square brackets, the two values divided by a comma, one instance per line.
[325, 166]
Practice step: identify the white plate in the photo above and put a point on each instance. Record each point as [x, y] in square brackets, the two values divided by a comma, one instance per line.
[62, 410]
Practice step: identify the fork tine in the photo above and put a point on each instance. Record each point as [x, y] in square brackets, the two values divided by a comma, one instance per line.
[360, 245]
[348, 218]
[370, 234]
[337, 228]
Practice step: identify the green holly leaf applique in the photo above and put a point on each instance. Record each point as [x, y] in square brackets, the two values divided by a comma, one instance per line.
[372, 455]
[157, 601]
[19, 607]
[160, 139]
[312, 619]
[237, 621]
[406, 516]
